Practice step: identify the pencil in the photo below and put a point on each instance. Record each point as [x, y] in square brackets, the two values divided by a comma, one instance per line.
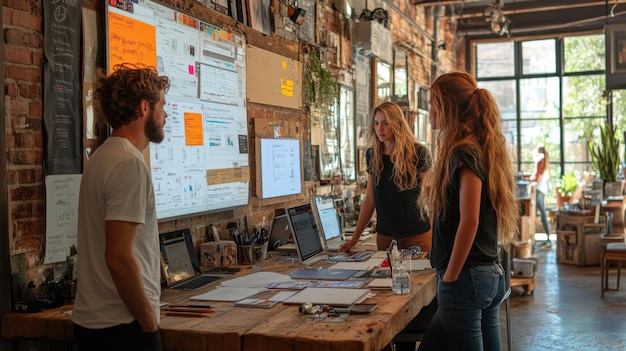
[186, 314]
[188, 306]
[187, 309]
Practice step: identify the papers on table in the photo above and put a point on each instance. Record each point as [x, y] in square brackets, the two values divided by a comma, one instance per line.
[240, 288]
[358, 266]
[418, 265]
[227, 293]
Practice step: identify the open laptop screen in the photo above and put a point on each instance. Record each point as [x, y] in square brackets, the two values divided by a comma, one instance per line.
[279, 232]
[179, 260]
[328, 217]
[304, 230]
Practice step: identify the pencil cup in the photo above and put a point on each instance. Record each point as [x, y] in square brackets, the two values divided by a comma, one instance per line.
[245, 254]
[260, 251]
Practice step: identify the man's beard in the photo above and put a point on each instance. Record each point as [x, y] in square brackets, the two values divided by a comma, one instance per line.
[152, 130]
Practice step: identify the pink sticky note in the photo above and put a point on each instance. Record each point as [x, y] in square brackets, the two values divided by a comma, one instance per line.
[191, 69]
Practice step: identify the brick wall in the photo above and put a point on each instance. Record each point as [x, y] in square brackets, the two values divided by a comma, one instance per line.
[23, 49]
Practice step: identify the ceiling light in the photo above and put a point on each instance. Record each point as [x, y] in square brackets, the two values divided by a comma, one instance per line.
[494, 15]
[296, 14]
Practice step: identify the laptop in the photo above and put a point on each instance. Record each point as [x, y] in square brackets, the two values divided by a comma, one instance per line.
[280, 233]
[328, 219]
[305, 234]
[180, 267]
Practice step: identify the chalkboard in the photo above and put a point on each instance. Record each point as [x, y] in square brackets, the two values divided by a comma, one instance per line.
[202, 164]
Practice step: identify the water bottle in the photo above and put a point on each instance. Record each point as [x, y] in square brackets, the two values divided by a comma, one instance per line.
[400, 280]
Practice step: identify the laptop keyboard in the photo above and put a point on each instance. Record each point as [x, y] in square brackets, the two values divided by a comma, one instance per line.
[197, 282]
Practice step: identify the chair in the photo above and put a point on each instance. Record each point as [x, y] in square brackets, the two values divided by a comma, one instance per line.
[613, 252]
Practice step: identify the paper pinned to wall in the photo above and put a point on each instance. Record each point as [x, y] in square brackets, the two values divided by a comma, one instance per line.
[61, 215]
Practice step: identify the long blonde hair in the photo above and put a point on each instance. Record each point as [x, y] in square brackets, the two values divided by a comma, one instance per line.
[468, 118]
[403, 156]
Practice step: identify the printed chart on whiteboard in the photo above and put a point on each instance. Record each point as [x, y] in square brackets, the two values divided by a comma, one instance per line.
[202, 164]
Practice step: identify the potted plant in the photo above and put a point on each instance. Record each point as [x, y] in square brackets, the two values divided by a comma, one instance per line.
[605, 159]
[567, 185]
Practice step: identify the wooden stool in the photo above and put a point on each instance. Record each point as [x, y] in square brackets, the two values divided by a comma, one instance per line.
[612, 252]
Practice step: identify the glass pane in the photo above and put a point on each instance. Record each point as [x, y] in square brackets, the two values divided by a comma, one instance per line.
[619, 112]
[545, 133]
[576, 133]
[503, 92]
[539, 56]
[346, 137]
[495, 60]
[400, 87]
[582, 96]
[509, 128]
[383, 80]
[584, 53]
[539, 97]
[329, 150]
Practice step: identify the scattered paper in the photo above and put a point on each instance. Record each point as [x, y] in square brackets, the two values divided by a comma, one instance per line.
[225, 293]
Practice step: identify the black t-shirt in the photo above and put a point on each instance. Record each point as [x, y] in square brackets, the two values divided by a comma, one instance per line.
[397, 214]
[484, 249]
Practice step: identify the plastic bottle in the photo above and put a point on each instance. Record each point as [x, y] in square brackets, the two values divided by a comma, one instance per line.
[400, 280]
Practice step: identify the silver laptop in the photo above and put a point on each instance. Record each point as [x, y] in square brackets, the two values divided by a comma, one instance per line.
[305, 234]
[180, 266]
[328, 220]
[280, 233]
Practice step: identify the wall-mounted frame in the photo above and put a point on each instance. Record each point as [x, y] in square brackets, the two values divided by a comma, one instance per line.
[615, 41]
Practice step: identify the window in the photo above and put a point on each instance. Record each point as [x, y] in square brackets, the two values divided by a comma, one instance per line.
[538, 57]
[584, 53]
[383, 82]
[553, 98]
[495, 60]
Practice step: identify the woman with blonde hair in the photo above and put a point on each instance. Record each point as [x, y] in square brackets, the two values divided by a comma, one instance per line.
[470, 197]
[396, 162]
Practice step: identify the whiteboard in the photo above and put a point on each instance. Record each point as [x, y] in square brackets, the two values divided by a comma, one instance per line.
[202, 164]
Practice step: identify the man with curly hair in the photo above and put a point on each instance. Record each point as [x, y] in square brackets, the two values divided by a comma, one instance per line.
[118, 291]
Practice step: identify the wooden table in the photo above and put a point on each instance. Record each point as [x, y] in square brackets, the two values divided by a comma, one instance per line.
[278, 328]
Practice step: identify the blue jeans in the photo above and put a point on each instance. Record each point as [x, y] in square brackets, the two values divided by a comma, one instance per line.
[539, 200]
[468, 314]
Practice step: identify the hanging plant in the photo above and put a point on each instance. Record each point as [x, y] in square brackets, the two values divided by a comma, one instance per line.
[320, 88]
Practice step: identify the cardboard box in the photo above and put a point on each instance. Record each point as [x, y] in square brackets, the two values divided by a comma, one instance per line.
[218, 254]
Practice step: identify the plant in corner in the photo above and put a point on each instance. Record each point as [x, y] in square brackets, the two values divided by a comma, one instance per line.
[605, 156]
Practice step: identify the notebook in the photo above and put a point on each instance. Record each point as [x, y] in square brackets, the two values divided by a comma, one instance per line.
[328, 219]
[180, 267]
[305, 234]
[279, 232]
[338, 297]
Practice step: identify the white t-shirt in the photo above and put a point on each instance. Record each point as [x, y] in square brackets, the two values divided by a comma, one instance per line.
[116, 185]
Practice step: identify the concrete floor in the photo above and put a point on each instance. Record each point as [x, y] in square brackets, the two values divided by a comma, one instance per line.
[565, 312]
